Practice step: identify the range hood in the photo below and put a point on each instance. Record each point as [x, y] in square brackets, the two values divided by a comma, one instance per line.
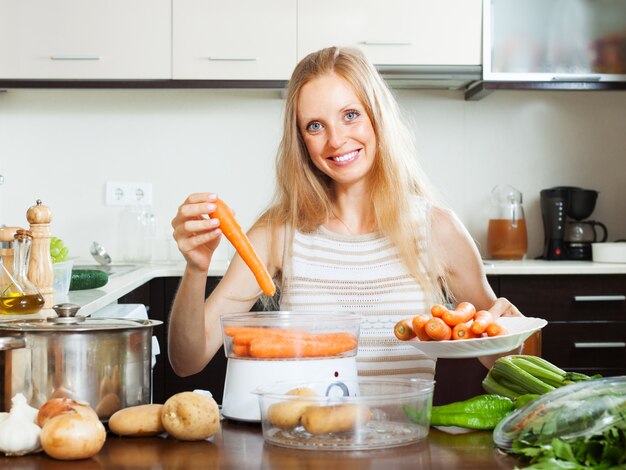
[436, 77]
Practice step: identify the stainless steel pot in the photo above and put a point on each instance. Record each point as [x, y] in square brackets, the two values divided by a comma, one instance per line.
[105, 362]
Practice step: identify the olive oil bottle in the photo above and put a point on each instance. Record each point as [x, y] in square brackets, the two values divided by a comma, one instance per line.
[17, 294]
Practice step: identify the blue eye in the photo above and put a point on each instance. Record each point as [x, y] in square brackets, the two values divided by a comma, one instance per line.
[314, 127]
[352, 115]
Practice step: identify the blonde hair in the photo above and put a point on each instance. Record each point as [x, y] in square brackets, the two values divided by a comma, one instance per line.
[303, 198]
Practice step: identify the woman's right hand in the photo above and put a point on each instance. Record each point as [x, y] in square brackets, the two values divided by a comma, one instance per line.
[197, 235]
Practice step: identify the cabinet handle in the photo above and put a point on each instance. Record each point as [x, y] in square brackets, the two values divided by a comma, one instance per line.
[605, 344]
[386, 43]
[232, 59]
[75, 57]
[599, 298]
[577, 78]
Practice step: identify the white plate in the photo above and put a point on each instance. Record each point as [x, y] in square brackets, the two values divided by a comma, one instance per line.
[520, 328]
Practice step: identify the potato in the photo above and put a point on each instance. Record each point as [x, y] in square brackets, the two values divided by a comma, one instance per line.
[140, 420]
[335, 418]
[109, 404]
[190, 416]
[287, 414]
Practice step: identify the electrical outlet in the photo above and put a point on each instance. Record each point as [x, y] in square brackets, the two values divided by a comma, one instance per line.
[128, 193]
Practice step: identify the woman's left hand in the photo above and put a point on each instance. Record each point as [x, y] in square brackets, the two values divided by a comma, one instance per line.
[503, 308]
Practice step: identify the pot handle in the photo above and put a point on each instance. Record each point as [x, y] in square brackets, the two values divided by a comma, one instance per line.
[12, 342]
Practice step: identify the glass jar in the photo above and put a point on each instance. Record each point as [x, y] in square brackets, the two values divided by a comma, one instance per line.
[506, 235]
[18, 294]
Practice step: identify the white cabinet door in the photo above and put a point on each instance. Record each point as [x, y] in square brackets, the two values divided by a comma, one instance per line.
[395, 32]
[234, 39]
[85, 39]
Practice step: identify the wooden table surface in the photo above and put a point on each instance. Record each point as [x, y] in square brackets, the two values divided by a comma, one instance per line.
[241, 446]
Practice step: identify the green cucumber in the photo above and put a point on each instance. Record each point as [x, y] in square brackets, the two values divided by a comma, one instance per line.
[88, 279]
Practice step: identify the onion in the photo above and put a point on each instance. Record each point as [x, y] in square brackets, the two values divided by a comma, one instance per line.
[57, 406]
[73, 435]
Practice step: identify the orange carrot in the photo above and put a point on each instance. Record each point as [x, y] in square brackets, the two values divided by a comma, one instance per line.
[237, 237]
[482, 320]
[247, 337]
[403, 330]
[321, 345]
[438, 310]
[241, 350]
[254, 330]
[463, 331]
[495, 329]
[437, 329]
[418, 323]
[463, 313]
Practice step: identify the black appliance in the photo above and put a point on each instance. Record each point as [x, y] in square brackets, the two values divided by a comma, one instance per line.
[567, 236]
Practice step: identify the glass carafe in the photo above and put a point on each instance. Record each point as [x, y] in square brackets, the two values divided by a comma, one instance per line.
[18, 295]
[506, 235]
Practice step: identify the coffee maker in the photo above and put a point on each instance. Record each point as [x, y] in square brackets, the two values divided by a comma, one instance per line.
[567, 235]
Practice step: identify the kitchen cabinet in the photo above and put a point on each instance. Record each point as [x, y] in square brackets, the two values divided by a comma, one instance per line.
[586, 315]
[85, 39]
[239, 39]
[395, 32]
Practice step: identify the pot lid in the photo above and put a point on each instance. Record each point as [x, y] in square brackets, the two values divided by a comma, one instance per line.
[89, 324]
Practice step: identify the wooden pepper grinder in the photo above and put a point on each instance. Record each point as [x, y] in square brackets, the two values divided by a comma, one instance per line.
[40, 270]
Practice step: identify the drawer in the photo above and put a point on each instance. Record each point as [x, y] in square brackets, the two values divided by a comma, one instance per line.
[568, 298]
[585, 345]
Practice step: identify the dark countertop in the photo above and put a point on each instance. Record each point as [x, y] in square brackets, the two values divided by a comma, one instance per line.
[241, 446]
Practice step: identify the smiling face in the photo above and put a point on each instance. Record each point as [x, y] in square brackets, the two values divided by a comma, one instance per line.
[337, 131]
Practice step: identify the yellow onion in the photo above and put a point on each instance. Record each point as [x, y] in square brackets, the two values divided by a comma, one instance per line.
[73, 435]
[57, 406]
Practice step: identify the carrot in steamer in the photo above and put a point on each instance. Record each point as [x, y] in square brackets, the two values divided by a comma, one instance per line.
[237, 237]
[320, 345]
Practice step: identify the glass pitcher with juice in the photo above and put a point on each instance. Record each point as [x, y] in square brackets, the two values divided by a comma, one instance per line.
[506, 236]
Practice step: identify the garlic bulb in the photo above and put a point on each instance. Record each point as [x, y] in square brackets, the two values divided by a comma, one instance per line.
[21, 406]
[19, 434]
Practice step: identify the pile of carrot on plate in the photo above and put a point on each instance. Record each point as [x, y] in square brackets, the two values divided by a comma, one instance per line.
[464, 322]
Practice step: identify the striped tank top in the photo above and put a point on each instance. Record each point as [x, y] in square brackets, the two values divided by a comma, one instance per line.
[362, 274]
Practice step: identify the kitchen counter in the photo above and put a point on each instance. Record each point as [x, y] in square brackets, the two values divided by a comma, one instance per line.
[242, 446]
[119, 285]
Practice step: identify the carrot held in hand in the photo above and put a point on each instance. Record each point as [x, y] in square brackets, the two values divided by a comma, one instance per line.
[237, 237]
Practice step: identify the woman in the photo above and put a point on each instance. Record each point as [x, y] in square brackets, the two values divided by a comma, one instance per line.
[354, 226]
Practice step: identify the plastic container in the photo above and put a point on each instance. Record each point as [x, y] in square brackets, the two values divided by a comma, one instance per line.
[572, 412]
[62, 277]
[340, 330]
[363, 414]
